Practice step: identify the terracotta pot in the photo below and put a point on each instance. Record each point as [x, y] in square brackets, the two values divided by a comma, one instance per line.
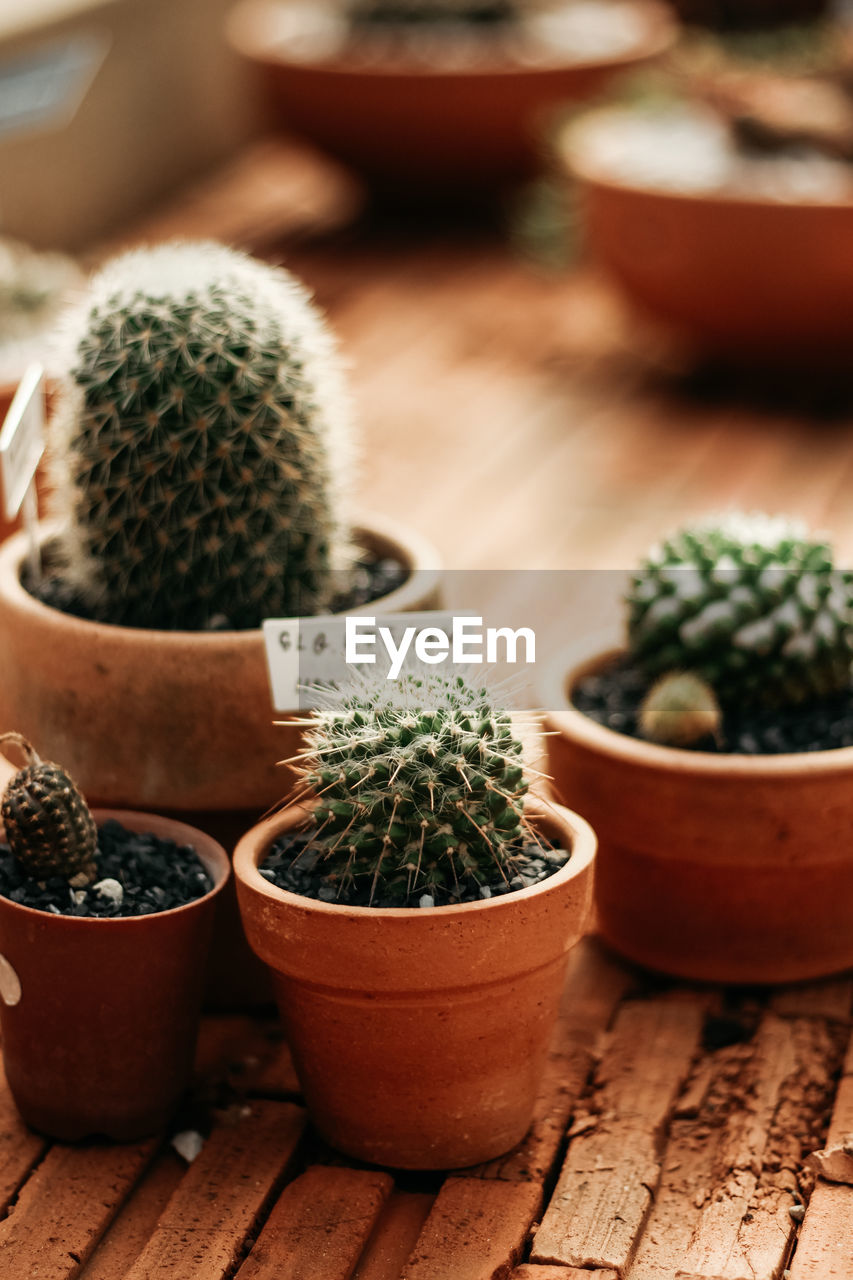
[750, 279]
[723, 868]
[413, 126]
[419, 1036]
[99, 1017]
[164, 720]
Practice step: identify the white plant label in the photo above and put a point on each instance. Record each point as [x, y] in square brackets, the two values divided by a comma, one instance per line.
[22, 441]
[303, 652]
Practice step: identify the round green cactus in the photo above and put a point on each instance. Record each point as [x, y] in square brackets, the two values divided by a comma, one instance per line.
[201, 447]
[751, 604]
[420, 784]
[679, 710]
[48, 825]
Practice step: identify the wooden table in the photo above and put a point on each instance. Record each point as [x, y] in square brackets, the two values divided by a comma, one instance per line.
[522, 419]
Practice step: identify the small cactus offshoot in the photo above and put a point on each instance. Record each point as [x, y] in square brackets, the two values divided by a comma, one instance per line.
[420, 785]
[752, 604]
[680, 710]
[49, 828]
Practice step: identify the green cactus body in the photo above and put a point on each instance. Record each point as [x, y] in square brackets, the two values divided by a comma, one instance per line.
[201, 445]
[48, 824]
[421, 784]
[749, 603]
[680, 710]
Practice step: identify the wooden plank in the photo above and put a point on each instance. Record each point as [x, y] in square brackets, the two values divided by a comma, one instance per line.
[476, 1230]
[129, 1232]
[730, 1174]
[605, 1189]
[319, 1225]
[395, 1236]
[20, 1148]
[65, 1208]
[205, 1225]
[825, 1245]
[272, 190]
[537, 1272]
[832, 999]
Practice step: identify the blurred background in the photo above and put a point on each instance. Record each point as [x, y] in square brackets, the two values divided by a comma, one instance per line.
[591, 261]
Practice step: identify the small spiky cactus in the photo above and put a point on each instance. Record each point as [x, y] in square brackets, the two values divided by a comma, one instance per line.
[680, 710]
[420, 784]
[48, 824]
[201, 450]
[751, 604]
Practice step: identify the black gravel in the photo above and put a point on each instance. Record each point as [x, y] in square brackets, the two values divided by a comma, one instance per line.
[369, 578]
[289, 867]
[613, 698]
[155, 875]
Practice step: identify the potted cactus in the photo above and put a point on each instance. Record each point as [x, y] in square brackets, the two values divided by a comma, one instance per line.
[201, 459]
[416, 906]
[714, 755]
[105, 918]
[442, 98]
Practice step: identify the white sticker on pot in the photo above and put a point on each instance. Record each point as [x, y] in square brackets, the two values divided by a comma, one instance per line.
[10, 984]
[305, 652]
[22, 440]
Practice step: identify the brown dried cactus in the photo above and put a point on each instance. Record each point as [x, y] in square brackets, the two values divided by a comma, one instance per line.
[48, 824]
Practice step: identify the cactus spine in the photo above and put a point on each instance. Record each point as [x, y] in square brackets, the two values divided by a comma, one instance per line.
[420, 784]
[201, 447]
[751, 604]
[48, 824]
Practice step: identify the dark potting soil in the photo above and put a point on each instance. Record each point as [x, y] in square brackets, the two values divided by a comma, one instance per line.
[154, 875]
[613, 697]
[369, 578]
[289, 866]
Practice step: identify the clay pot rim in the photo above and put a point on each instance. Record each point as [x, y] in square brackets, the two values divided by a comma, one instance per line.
[416, 553]
[586, 656]
[244, 29]
[714, 199]
[215, 859]
[254, 844]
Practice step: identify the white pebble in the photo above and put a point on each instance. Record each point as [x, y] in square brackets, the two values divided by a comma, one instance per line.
[110, 889]
[426, 900]
[188, 1144]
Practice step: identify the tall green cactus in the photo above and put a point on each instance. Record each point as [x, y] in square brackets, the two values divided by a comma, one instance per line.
[421, 784]
[751, 604]
[201, 445]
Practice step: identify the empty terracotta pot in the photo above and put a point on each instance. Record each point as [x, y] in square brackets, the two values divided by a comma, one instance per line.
[419, 1036]
[750, 279]
[99, 1016]
[723, 868]
[415, 126]
[170, 721]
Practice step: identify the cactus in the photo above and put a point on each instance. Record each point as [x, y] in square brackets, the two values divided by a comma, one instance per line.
[680, 710]
[200, 447]
[420, 785]
[48, 825]
[424, 12]
[726, 15]
[751, 604]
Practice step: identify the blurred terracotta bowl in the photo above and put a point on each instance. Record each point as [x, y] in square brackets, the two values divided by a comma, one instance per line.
[751, 278]
[419, 124]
